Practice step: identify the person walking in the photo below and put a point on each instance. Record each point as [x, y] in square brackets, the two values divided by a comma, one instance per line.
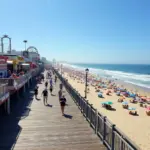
[45, 96]
[46, 84]
[55, 79]
[62, 104]
[51, 82]
[42, 77]
[36, 91]
[60, 94]
[51, 89]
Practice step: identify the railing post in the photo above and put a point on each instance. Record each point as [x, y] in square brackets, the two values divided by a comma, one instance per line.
[96, 121]
[104, 126]
[91, 114]
[81, 104]
[8, 106]
[24, 88]
[113, 137]
[87, 109]
[17, 94]
[28, 83]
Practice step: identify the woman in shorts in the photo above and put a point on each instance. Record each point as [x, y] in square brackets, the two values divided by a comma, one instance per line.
[62, 104]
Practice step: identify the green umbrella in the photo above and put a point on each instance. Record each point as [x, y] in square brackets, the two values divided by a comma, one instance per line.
[107, 103]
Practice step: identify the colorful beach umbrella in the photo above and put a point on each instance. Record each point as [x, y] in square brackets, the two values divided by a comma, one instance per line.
[124, 103]
[100, 95]
[107, 103]
[131, 108]
[148, 108]
[103, 103]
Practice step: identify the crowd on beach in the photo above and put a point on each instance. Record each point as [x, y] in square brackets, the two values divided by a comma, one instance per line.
[50, 82]
[110, 87]
[107, 95]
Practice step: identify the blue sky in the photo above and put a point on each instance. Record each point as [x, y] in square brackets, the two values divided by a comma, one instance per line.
[98, 31]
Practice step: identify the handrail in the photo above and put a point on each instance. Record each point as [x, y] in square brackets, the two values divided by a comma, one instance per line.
[104, 128]
[3, 90]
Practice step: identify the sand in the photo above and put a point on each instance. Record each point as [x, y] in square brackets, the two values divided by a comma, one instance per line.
[134, 127]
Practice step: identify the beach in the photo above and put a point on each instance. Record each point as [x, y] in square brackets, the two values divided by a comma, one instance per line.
[134, 127]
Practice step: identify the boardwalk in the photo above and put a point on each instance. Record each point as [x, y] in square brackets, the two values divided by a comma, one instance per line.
[33, 126]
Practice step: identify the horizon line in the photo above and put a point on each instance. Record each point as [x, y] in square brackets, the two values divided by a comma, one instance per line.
[98, 63]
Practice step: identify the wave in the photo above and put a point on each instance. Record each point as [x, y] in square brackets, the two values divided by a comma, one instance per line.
[142, 80]
[138, 84]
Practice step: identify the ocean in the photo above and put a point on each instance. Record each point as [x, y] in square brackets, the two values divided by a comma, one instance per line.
[134, 74]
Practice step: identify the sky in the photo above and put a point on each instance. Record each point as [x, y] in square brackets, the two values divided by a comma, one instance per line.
[87, 31]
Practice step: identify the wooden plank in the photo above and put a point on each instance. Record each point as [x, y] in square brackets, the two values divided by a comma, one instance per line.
[37, 127]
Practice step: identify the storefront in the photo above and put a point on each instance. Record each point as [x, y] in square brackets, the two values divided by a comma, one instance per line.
[3, 66]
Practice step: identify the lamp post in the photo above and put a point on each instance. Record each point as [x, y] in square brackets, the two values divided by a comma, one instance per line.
[25, 42]
[86, 84]
[61, 69]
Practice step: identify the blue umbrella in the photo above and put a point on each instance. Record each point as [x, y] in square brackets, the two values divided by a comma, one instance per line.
[118, 93]
[103, 103]
[124, 103]
[132, 95]
[100, 95]
[131, 108]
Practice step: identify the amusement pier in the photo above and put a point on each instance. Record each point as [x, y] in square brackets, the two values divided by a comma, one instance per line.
[27, 124]
[18, 70]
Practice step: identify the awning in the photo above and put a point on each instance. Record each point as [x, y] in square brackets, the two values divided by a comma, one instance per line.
[25, 64]
[9, 62]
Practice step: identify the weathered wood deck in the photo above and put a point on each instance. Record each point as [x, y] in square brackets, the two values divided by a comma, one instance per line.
[33, 126]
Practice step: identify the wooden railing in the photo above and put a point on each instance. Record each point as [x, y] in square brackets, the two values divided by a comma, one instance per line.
[21, 80]
[3, 90]
[113, 138]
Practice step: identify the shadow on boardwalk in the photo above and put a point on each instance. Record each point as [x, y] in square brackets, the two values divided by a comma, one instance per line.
[20, 109]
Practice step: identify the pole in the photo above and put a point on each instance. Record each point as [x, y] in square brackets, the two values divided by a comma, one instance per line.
[10, 45]
[8, 106]
[61, 69]
[86, 85]
[2, 45]
[25, 46]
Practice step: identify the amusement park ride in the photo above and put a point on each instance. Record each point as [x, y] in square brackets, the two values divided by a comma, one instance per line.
[17, 70]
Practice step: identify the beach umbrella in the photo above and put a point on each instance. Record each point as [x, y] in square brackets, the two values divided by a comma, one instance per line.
[131, 108]
[108, 103]
[100, 95]
[103, 103]
[132, 95]
[144, 98]
[148, 108]
[118, 93]
[124, 103]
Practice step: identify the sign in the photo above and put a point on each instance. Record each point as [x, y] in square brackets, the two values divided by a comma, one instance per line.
[3, 59]
[3, 63]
